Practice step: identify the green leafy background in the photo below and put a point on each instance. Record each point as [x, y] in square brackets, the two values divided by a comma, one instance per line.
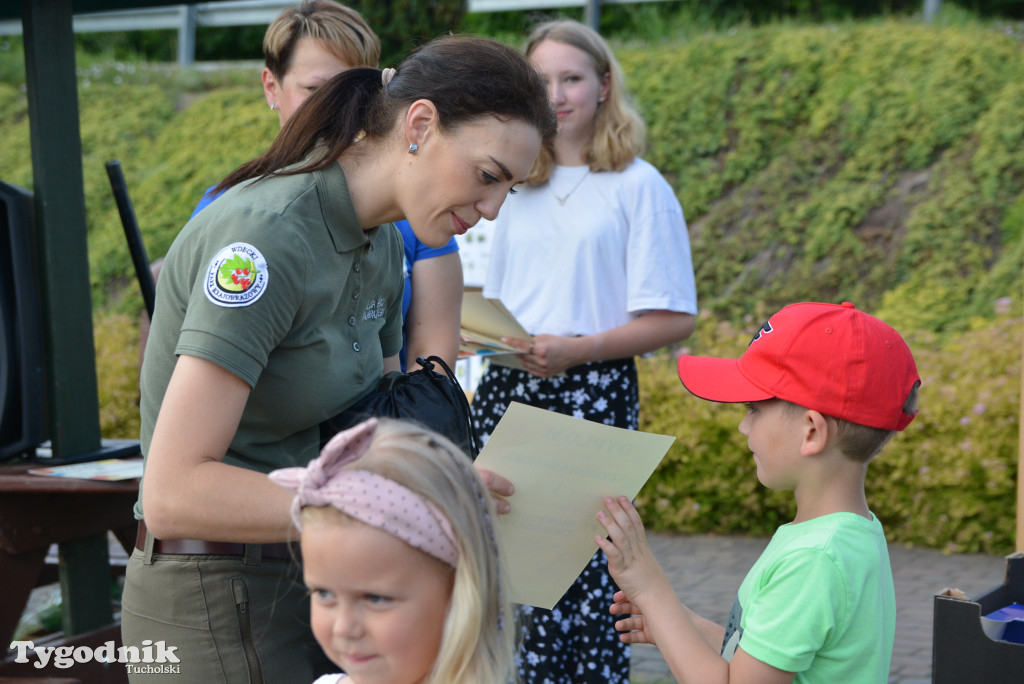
[877, 161]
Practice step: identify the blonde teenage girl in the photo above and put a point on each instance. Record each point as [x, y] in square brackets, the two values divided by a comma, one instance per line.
[593, 258]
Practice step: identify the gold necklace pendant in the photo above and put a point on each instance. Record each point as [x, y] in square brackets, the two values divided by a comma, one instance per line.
[564, 198]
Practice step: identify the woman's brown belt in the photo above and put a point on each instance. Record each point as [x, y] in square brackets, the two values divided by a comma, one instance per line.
[198, 547]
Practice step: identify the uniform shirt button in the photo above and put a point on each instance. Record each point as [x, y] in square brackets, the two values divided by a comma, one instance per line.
[355, 346]
[356, 267]
[351, 320]
[355, 294]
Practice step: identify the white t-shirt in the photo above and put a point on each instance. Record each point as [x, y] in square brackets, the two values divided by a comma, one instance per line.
[475, 252]
[617, 247]
[330, 678]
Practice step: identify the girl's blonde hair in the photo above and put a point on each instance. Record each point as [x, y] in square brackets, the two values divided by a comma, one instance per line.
[478, 640]
[619, 131]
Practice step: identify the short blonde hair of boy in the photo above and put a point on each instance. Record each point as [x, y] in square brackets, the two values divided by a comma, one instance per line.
[858, 442]
[479, 636]
[340, 29]
[619, 130]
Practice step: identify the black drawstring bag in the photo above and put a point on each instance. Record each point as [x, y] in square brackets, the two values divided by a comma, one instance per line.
[425, 396]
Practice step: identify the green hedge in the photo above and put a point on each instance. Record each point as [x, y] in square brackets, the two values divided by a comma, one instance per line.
[844, 162]
[879, 162]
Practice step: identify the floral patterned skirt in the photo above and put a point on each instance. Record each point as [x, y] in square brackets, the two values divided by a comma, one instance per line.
[575, 642]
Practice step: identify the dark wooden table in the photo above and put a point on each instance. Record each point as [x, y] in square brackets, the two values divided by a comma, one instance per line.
[37, 511]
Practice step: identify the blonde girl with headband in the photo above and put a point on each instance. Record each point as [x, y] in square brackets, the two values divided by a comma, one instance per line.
[400, 559]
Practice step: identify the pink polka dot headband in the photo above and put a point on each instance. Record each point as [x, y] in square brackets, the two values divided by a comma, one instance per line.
[368, 497]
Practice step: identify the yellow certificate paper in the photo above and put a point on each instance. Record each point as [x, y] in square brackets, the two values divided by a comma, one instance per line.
[562, 468]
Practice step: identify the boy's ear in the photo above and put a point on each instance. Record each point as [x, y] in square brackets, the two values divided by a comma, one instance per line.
[815, 433]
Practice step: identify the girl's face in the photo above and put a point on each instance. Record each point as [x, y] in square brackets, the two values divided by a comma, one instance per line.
[312, 65]
[455, 179]
[378, 605]
[574, 87]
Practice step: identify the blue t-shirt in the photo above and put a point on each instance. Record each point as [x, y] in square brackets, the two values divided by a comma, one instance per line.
[208, 197]
[414, 251]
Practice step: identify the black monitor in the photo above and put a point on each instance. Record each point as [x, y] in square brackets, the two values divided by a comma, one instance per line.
[22, 386]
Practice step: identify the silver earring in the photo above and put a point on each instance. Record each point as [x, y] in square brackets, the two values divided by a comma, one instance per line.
[413, 147]
[273, 107]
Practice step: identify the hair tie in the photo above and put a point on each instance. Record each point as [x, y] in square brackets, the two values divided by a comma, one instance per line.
[386, 75]
[368, 497]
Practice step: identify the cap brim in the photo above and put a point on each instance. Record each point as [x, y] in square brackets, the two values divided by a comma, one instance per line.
[718, 379]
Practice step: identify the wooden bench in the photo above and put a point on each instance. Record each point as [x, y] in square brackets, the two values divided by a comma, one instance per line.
[37, 512]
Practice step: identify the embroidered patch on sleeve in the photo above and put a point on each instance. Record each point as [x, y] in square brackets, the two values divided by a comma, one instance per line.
[237, 276]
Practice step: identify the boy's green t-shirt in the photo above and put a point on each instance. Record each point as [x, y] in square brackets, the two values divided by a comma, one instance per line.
[820, 602]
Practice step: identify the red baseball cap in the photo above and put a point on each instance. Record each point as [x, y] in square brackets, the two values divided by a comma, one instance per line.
[830, 358]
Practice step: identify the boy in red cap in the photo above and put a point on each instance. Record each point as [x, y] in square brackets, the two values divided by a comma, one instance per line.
[826, 386]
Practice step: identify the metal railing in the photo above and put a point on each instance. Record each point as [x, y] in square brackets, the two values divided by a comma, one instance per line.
[186, 18]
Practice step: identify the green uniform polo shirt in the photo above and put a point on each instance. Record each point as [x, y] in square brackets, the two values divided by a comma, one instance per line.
[277, 283]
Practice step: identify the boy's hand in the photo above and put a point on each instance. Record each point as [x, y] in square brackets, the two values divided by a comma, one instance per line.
[634, 628]
[630, 561]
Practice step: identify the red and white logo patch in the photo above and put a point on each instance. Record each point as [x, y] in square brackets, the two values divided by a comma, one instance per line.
[237, 276]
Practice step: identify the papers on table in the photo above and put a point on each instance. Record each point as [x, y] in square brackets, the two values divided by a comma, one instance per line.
[110, 469]
[562, 468]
